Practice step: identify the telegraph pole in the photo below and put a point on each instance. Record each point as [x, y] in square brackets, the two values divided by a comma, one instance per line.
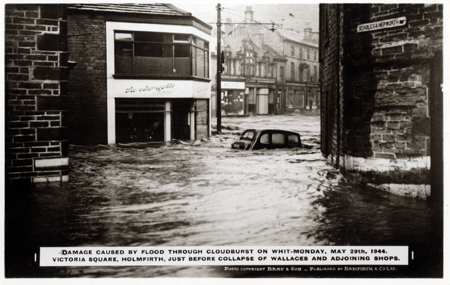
[219, 73]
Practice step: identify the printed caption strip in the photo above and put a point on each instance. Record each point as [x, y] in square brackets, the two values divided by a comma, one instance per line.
[210, 255]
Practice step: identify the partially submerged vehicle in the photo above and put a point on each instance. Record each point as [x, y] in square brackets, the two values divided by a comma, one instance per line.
[253, 139]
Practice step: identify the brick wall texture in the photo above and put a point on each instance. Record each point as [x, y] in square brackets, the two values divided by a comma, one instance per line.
[331, 53]
[385, 75]
[35, 90]
[87, 91]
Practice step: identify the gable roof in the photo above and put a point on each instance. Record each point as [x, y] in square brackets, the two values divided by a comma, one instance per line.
[296, 37]
[152, 9]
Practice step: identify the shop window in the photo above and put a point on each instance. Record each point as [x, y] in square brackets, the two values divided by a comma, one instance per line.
[139, 120]
[233, 103]
[160, 54]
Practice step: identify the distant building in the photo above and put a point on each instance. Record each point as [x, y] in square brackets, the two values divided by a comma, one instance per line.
[273, 70]
[300, 83]
[382, 95]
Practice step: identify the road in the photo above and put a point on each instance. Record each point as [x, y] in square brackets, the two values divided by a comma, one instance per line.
[205, 193]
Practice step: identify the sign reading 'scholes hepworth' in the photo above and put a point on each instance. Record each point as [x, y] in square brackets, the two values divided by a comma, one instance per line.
[385, 24]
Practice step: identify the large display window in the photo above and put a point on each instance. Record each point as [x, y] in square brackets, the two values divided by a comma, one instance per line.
[160, 54]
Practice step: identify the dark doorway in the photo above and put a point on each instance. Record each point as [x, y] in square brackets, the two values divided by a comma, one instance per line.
[180, 118]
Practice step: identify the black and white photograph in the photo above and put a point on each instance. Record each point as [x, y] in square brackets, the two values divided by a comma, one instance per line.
[224, 142]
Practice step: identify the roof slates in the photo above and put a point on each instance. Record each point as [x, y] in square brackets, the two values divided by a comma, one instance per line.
[154, 9]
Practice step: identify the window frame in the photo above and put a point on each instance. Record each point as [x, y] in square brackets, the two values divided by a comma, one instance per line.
[293, 71]
[177, 40]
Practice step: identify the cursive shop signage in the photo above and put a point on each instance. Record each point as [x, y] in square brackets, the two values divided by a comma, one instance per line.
[129, 88]
[385, 24]
[151, 89]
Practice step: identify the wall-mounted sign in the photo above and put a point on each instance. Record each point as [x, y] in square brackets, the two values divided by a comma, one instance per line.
[129, 88]
[385, 24]
[233, 85]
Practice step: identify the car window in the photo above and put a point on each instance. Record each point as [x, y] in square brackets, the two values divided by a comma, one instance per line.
[264, 139]
[248, 135]
[293, 140]
[278, 138]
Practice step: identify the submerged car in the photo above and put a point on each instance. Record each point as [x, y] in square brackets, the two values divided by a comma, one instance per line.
[253, 139]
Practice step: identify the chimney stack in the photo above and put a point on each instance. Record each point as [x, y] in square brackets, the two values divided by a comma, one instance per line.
[308, 32]
[249, 14]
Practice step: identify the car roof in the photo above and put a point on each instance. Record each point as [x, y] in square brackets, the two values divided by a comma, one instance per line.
[272, 129]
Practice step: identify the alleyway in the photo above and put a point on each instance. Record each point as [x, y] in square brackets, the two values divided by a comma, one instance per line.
[208, 194]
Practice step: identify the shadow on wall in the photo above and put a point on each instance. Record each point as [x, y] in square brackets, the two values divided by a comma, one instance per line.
[361, 86]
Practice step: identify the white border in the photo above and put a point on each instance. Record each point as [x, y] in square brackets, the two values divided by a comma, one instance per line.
[200, 4]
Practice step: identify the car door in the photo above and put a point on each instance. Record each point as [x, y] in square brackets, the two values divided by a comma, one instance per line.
[263, 140]
[294, 140]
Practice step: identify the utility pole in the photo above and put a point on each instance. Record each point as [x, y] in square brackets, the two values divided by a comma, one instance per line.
[219, 73]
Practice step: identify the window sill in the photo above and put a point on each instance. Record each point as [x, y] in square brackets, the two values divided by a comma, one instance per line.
[158, 77]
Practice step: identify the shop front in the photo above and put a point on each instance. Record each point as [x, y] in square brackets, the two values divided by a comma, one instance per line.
[233, 98]
[296, 97]
[260, 97]
[158, 85]
[158, 111]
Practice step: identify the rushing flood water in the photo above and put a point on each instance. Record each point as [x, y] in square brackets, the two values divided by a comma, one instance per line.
[209, 194]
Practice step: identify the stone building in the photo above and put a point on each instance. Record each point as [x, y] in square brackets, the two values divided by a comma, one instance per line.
[248, 78]
[381, 93]
[274, 69]
[36, 83]
[298, 82]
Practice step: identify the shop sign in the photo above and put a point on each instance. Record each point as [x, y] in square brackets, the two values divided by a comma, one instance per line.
[385, 24]
[232, 85]
[202, 89]
[164, 88]
[159, 89]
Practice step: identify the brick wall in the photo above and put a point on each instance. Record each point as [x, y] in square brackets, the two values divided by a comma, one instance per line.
[376, 91]
[390, 77]
[88, 90]
[36, 87]
[330, 58]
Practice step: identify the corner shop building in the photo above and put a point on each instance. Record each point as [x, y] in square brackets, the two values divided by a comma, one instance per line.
[141, 74]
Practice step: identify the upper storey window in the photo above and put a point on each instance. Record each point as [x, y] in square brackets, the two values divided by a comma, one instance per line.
[160, 54]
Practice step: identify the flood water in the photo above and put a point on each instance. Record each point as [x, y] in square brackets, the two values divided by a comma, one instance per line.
[205, 193]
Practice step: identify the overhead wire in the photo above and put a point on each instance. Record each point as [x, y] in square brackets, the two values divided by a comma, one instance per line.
[242, 17]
